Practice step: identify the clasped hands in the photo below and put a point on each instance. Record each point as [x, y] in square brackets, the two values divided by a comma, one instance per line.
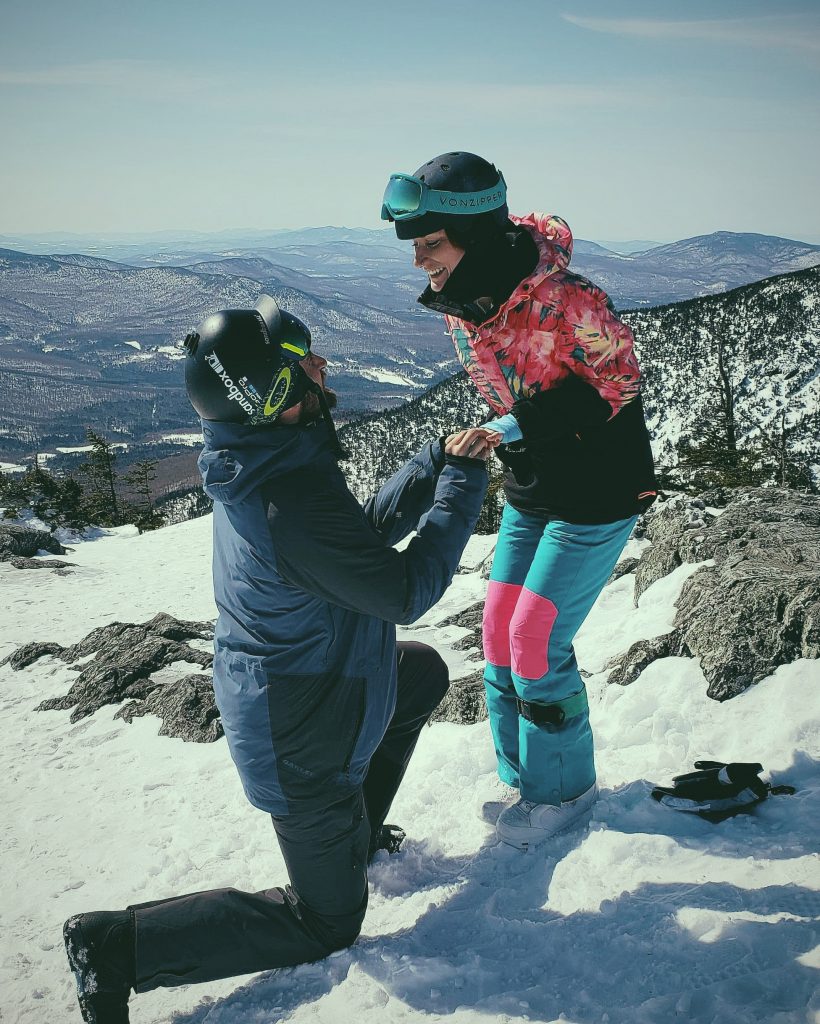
[472, 443]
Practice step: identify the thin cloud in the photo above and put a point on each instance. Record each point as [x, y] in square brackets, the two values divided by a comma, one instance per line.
[797, 31]
[156, 78]
[131, 75]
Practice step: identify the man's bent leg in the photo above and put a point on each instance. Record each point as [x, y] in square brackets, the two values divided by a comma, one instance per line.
[225, 932]
[423, 681]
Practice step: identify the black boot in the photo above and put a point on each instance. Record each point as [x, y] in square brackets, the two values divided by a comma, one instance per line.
[388, 837]
[101, 949]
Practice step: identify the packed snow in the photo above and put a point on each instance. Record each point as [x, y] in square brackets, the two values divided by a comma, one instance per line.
[642, 916]
[186, 439]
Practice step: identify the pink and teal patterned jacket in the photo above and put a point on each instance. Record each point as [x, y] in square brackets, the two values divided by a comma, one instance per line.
[554, 324]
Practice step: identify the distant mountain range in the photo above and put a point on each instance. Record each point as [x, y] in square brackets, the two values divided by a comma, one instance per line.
[636, 274]
[90, 339]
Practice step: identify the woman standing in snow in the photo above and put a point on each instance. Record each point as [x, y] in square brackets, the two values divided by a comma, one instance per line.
[548, 353]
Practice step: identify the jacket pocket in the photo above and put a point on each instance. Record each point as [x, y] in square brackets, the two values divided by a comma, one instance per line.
[315, 723]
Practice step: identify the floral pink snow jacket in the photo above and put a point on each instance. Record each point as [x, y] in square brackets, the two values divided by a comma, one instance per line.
[557, 356]
[555, 323]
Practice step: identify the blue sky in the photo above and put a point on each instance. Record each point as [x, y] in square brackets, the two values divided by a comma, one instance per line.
[646, 119]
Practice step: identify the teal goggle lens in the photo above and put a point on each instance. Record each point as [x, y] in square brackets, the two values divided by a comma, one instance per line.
[402, 197]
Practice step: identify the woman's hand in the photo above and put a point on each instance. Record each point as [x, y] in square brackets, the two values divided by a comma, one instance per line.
[473, 443]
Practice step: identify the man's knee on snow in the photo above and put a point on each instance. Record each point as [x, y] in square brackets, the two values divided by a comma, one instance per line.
[336, 931]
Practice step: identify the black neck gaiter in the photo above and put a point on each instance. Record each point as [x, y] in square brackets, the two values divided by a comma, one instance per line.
[485, 277]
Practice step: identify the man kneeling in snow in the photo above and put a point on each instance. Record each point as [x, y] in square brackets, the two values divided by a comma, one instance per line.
[321, 707]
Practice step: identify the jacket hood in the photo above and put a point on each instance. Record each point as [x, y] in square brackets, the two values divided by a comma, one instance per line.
[237, 457]
[554, 240]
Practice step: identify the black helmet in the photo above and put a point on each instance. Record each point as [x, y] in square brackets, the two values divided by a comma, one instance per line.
[458, 172]
[242, 365]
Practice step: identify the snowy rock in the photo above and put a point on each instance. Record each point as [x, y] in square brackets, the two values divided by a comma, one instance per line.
[18, 541]
[674, 529]
[623, 568]
[757, 606]
[31, 652]
[187, 709]
[114, 638]
[126, 655]
[180, 629]
[39, 563]
[470, 619]
[626, 668]
[465, 701]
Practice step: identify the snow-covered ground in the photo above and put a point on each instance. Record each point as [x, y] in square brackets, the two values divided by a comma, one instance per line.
[643, 916]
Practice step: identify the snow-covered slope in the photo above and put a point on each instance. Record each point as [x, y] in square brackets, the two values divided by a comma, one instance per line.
[643, 917]
[769, 334]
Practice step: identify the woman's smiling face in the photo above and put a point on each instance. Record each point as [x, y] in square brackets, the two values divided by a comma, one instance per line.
[437, 256]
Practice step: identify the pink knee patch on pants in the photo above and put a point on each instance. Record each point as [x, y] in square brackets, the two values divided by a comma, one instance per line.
[530, 629]
[499, 607]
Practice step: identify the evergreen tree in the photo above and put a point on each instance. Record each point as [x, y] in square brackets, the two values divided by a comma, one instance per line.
[101, 503]
[140, 477]
[57, 501]
[706, 462]
[489, 519]
[782, 452]
[9, 496]
[712, 457]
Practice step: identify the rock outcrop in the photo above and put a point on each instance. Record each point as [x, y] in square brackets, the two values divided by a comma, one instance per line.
[125, 656]
[465, 701]
[755, 605]
[187, 709]
[24, 542]
[41, 563]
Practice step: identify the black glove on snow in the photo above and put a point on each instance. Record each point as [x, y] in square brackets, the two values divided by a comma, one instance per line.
[716, 790]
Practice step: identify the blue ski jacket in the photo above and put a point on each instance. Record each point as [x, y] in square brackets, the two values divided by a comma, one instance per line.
[309, 588]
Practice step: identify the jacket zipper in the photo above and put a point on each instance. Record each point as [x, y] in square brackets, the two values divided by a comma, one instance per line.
[357, 730]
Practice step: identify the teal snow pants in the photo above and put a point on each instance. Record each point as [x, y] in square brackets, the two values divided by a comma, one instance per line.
[546, 576]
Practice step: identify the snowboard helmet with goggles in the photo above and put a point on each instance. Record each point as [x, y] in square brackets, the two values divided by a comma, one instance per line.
[460, 192]
[242, 365]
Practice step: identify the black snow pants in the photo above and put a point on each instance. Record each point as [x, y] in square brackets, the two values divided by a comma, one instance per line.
[225, 932]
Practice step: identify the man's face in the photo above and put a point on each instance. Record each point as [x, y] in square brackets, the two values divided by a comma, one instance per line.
[309, 408]
[437, 256]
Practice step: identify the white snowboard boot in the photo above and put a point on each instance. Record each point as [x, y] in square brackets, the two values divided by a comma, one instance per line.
[526, 824]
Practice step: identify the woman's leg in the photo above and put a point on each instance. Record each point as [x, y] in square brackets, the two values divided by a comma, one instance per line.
[518, 540]
[570, 568]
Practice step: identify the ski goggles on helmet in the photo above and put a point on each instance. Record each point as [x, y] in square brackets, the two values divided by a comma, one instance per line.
[406, 198]
[293, 338]
[284, 329]
[288, 385]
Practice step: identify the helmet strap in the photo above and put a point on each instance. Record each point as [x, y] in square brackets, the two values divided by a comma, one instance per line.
[339, 451]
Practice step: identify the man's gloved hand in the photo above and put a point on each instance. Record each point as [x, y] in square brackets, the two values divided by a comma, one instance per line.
[717, 790]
